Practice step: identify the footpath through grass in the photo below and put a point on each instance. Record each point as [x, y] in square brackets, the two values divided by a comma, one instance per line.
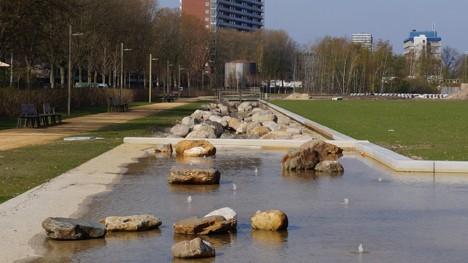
[432, 130]
[24, 168]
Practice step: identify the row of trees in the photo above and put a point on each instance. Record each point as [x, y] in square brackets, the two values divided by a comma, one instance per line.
[338, 66]
[36, 34]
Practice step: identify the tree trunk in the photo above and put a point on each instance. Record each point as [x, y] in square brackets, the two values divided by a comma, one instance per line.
[62, 76]
[80, 74]
[52, 76]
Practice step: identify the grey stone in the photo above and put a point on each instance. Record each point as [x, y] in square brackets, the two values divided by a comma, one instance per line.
[72, 229]
[196, 248]
[180, 130]
[333, 167]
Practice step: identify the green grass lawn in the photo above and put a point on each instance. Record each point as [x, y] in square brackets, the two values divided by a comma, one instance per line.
[24, 168]
[432, 130]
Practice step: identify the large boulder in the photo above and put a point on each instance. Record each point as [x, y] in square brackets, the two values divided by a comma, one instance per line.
[326, 151]
[180, 130]
[219, 119]
[223, 109]
[252, 125]
[196, 248]
[194, 176]
[258, 131]
[242, 128]
[271, 125]
[333, 167]
[202, 131]
[217, 127]
[72, 229]
[294, 131]
[195, 148]
[200, 115]
[204, 226]
[245, 107]
[271, 220]
[264, 116]
[309, 155]
[234, 124]
[188, 121]
[131, 223]
[282, 120]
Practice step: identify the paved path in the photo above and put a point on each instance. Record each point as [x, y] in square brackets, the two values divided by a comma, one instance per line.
[16, 138]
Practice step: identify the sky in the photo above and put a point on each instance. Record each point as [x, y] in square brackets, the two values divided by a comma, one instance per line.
[309, 20]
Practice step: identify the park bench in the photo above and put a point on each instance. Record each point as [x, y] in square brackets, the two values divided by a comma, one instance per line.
[29, 117]
[50, 116]
[116, 105]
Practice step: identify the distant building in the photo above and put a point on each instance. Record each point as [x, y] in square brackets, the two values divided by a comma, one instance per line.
[240, 74]
[242, 15]
[364, 39]
[420, 42]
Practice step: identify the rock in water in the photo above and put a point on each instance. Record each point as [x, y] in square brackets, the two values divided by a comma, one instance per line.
[204, 226]
[131, 223]
[271, 220]
[329, 167]
[165, 149]
[194, 176]
[309, 155]
[72, 229]
[228, 213]
[185, 148]
[326, 151]
[196, 248]
[180, 130]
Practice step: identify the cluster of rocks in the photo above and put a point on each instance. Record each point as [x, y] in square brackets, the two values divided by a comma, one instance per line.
[233, 120]
[220, 221]
[314, 155]
[59, 228]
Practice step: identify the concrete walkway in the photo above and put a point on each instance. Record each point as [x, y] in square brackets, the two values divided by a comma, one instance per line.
[16, 138]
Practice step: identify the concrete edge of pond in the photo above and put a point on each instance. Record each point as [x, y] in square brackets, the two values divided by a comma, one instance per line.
[63, 196]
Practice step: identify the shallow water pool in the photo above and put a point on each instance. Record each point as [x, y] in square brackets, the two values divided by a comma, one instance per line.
[398, 218]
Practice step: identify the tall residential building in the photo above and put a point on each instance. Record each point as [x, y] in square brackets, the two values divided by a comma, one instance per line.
[243, 15]
[422, 41]
[364, 39]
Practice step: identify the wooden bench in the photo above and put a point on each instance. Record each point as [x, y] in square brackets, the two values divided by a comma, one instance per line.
[115, 105]
[29, 117]
[49, 115]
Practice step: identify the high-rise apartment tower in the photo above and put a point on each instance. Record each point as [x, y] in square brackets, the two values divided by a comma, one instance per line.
[243, 15]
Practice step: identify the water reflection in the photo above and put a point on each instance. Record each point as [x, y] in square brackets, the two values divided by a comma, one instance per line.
[218, 241]
[193, 188]
[270, 238]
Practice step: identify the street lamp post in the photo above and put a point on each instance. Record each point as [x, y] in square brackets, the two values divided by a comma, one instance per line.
[167, 76]
[179, 80]
[122, 50]
[70, 35]
[151, 59]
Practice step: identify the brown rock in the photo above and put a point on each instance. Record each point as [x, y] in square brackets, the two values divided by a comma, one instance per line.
[326, 151]
[234, 123]
[204, 226]
[131, 223]
[194, 176]
[271, 220]
[309, 155]
[183, 148]
[258, 131]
